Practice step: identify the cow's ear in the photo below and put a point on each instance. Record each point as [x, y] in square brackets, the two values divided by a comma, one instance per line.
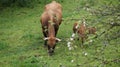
[46, 38]
[58, 39]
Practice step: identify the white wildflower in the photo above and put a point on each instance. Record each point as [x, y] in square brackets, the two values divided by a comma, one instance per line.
[73, 35]
[72, 61]
[112, 22]
[84, 23]
[91, 41]
[68, 44]
[70, 48]
[71, 39]
[85, 54]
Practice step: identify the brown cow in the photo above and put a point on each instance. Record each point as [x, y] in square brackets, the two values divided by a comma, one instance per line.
[80, 29]
[50, 21]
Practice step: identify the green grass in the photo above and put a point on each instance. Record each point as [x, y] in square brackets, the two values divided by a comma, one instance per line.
[21, 39]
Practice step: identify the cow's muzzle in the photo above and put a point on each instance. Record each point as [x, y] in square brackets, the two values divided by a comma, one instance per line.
[51, 51]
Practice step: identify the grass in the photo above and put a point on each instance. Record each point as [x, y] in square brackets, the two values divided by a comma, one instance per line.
[21, 40]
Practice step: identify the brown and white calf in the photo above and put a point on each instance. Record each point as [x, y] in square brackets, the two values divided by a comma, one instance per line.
[80, 29]
[50, 21]
[92, 30]
[83, 31]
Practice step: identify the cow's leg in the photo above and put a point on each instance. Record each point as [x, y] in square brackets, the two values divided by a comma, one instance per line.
[45, 43]
[56, 29]
[45, 35]
[53, 49]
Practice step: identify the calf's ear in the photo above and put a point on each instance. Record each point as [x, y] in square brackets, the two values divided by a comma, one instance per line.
[57, 39]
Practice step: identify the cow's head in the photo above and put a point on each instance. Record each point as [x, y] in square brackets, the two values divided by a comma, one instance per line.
[51, 43]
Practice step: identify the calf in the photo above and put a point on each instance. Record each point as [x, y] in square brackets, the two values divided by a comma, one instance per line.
[50, 21]
[92, 30]
[80, 29]
[83, 31]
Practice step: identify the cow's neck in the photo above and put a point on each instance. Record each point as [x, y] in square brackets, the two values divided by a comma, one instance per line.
[51, 30]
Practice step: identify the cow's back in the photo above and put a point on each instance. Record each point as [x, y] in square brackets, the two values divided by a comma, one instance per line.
[57, 9]
[44, 19]
[54, 6]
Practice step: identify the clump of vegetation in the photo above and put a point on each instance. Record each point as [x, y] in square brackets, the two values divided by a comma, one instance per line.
[3, 45]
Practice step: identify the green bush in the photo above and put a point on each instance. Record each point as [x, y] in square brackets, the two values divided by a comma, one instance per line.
[24, 3]
[19, 3]
[6, 2]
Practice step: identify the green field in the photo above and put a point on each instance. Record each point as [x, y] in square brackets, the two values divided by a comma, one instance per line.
[21, 38]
